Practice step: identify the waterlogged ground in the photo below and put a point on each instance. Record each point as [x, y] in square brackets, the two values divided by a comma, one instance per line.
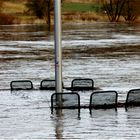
[107, 53]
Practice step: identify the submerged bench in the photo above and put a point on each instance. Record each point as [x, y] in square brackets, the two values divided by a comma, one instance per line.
[133, 98]
[76, 84]
[98, 100]
[82, 84]
[21, 85]
[103, 100]
[70, 100]
[48, 84]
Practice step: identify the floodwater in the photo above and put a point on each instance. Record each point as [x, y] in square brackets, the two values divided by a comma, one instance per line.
[106, 52]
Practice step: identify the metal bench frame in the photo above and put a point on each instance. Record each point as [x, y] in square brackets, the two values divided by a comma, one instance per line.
[105, 106]
[65, 107]
[127, 103]
[49, 87]
[45, 87]
[20, 87]
[76, 88]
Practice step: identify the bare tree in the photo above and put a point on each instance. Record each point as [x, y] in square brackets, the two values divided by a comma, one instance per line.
[131, 10]
[113, 8]
[41, 9]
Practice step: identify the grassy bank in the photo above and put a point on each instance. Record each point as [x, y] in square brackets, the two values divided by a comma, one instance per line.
[80, 7]
[81, 12]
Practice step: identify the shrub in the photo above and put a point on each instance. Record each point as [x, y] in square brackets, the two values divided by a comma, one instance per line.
[6, 19]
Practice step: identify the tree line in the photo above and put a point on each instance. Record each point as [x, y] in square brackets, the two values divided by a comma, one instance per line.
[128, 9]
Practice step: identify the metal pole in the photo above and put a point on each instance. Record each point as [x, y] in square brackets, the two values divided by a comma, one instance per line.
[58, 44]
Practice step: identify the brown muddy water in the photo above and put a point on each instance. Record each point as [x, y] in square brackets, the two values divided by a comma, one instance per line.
[106, 52]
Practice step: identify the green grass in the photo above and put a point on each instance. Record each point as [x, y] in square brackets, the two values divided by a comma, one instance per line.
[80, 7]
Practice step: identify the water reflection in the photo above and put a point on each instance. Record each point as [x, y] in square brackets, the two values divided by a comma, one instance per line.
[59, 124]
[65, 123]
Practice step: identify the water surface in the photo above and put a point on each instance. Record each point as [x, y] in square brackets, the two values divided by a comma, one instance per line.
[106, 52]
